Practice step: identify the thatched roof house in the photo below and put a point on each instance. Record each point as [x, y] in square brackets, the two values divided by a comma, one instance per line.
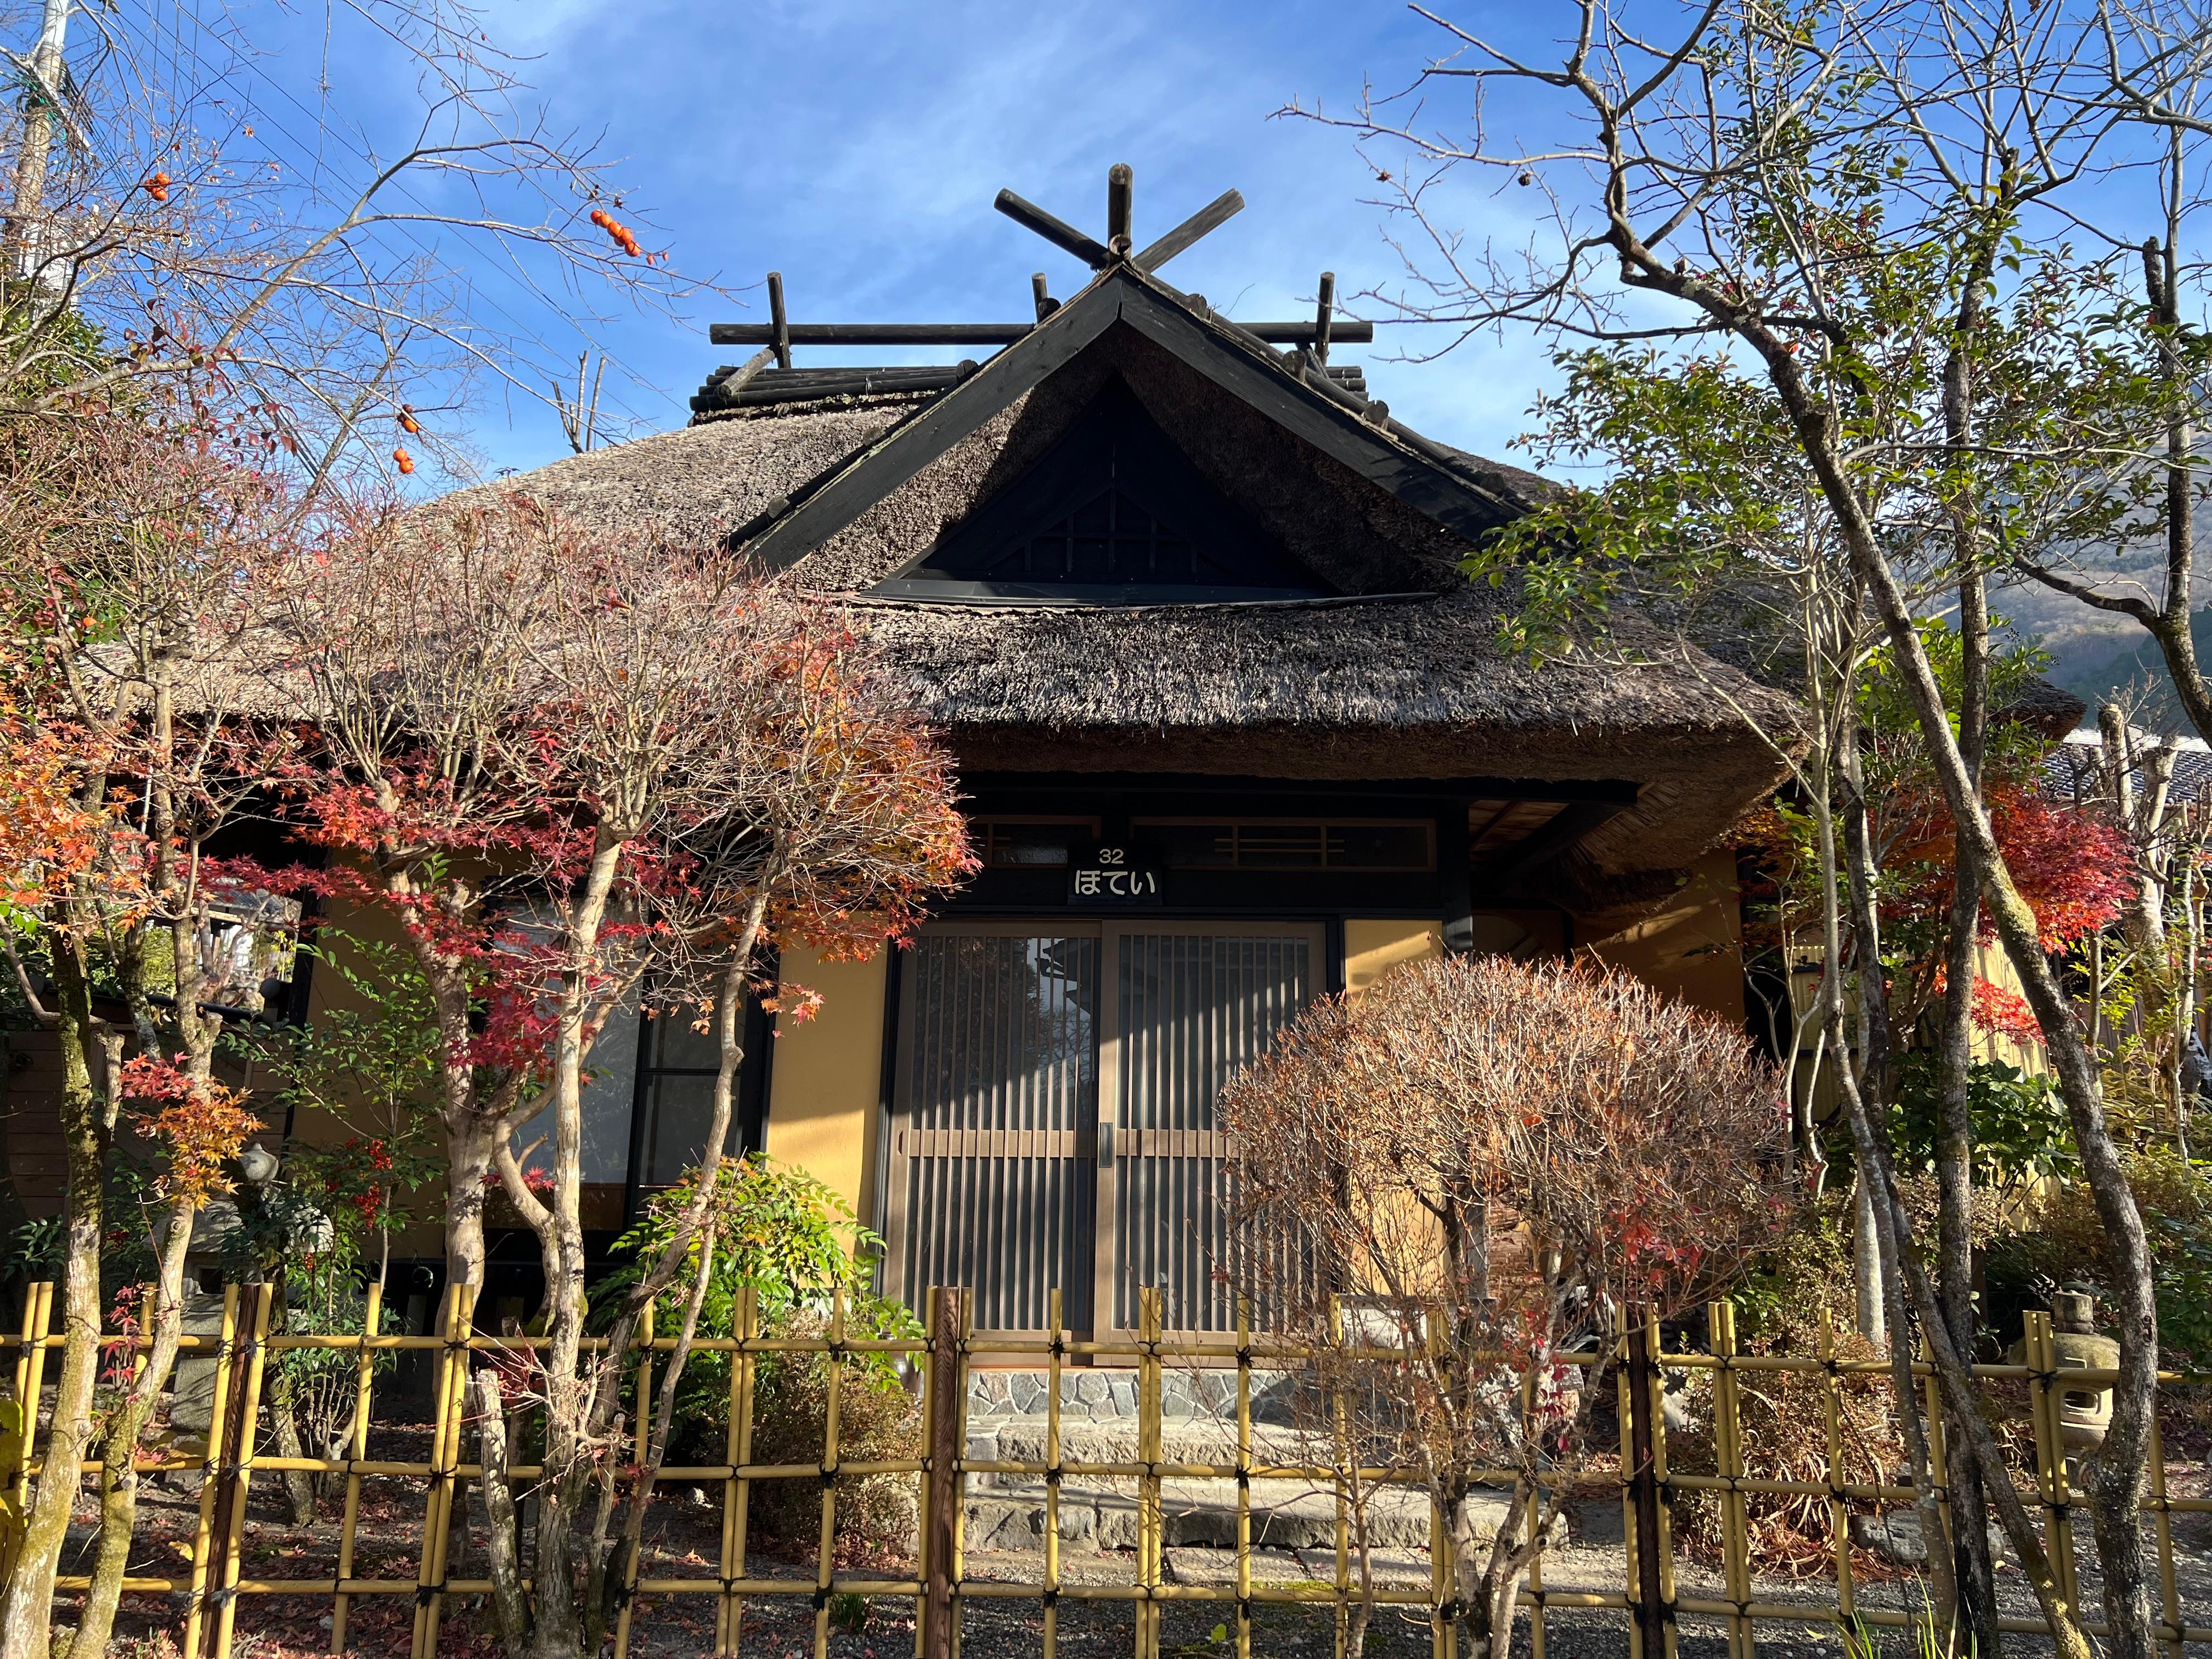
[1234, 729]
[1348, 649]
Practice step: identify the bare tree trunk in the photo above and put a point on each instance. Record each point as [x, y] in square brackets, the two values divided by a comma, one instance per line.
[27, 1605]
[119, 1476]
[2117, 1487]
[1973, 1569]
[22, 245]
[502, 1535]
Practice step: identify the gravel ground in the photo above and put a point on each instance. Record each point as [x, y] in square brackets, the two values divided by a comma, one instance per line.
[684, 1542]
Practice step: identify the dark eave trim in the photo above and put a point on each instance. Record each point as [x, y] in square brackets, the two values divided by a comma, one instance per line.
[1615, 796]
[1457, 503]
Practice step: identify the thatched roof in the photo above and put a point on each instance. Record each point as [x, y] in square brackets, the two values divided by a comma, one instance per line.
[847, 492]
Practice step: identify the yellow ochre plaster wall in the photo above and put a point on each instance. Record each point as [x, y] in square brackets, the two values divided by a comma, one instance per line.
[1372, 948]
[827, 1078]
[1691, 947]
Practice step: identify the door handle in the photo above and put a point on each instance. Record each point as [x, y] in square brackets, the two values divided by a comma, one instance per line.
[1105, 1145]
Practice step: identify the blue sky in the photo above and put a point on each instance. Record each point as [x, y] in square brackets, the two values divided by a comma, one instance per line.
[855, 145]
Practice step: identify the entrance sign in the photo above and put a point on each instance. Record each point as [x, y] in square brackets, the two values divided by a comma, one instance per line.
[1109, 878]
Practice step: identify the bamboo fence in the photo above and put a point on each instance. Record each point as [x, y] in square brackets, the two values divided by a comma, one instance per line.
[216, 1584]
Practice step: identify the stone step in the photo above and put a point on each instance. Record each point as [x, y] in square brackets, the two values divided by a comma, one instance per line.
[1184, 1440]
[1105, 1393]
[1392, 1569]
[1100, 1512]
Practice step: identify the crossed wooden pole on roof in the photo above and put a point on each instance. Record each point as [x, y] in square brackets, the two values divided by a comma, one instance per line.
[1120, 190]
[779, 334]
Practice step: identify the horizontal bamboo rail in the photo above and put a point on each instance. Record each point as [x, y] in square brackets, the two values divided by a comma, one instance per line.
[216, 1584]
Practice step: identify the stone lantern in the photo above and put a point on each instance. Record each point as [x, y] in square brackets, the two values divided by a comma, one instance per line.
[2085, 1412]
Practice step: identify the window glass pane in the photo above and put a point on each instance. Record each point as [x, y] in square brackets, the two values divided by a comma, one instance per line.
[675, 1044]
[610, 1090]
[1031, 845]
[680, 1110]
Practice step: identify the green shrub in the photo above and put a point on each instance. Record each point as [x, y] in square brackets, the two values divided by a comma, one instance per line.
[799, 1248]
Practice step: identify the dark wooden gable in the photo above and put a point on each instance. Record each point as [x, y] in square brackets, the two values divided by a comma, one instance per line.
[1375, 448]
[1112, 512]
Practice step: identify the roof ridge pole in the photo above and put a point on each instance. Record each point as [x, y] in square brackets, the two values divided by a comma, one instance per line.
[779, 320]
[1121, 187]
[1323, 312]
[1046, 304]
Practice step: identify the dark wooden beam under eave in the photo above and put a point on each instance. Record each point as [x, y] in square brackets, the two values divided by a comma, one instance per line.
[1572, 823]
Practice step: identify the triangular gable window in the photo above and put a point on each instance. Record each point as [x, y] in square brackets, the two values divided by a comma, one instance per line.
[1113, 513]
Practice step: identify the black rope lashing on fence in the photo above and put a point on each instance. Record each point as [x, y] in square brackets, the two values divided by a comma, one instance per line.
[1051, 1598]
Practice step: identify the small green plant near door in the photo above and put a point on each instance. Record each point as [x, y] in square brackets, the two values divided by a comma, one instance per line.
[795, 1244]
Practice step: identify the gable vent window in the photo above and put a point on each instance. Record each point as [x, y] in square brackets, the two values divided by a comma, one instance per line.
[1345, 844]
[1113, 512]
[1109, 538]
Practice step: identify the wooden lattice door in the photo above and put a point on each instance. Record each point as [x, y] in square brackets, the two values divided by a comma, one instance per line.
[1053, 1118]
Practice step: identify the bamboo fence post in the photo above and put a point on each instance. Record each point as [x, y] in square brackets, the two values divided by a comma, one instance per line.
[30, 1366]
[1340, 1434]
[825, 1562]
[736, 1491]
[444, 1453]
[1149, 1454]
[357, 1451]
[2162, 1522]
[1243, 1477]
[641, 1440]
[1939, 1472]
[1728, 1446]
[1053, 1355]
[964, 1362]
[1442, 1569]
[934, 1630]
[1660, 1486]
[141, 1344]
[1839, 1513]
[242, 1479]
[2050, 1455]
[1628, 1381]
[1535, 1505]
[210, 1477]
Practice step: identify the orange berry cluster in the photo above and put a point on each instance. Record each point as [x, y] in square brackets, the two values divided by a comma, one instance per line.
[157, 186]
[618, 233]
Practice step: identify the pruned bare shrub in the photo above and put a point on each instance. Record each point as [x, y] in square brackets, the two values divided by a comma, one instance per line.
[1453, 1181]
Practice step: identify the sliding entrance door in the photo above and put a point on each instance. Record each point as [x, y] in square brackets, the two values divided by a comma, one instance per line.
[1053, 1121]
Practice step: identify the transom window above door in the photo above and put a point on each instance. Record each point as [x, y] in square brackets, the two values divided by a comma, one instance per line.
[1347, 844]
[1031, 843]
